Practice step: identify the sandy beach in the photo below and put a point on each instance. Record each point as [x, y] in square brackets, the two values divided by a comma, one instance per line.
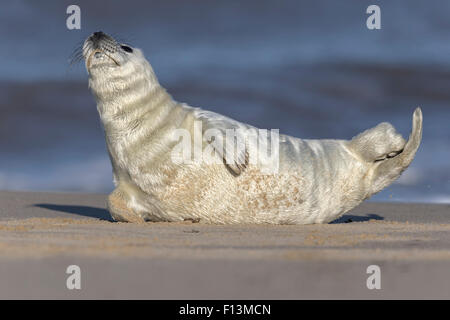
[41, 234]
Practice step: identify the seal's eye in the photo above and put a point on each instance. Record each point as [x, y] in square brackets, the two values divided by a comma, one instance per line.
[126, 48]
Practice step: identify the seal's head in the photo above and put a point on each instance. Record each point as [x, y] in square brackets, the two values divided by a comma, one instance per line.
[113, 67]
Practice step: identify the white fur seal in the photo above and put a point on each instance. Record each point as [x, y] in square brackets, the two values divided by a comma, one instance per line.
[317, 180]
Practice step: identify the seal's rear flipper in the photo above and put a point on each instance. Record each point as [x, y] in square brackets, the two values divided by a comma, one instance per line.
[390, 169]
[378, 143]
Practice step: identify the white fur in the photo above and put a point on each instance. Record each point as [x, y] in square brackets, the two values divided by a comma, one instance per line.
[318, 180]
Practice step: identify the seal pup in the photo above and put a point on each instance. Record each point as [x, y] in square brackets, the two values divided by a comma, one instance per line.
[317, 181]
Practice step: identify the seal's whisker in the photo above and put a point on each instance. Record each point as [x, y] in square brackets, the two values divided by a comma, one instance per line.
[121, 39]
[77, 54]
[75, 59]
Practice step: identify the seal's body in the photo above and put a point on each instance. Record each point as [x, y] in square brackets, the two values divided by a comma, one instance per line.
[317, 181]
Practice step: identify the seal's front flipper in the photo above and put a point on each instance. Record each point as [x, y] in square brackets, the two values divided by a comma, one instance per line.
[388, 170]
[228, 139]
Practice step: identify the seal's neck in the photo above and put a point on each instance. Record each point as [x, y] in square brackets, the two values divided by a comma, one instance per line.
[123, 99]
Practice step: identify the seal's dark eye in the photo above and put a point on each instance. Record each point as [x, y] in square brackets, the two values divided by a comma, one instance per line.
[126, 48]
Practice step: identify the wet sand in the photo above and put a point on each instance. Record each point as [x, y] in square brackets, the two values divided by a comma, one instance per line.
[43, 233]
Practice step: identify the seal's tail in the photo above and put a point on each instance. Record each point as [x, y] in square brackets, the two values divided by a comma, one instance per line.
[390, 169]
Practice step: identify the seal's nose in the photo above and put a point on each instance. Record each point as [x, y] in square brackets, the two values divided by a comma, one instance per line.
[96, 38]
[97, 35]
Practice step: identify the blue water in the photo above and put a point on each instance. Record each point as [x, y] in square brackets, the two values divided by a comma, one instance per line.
[309, 68]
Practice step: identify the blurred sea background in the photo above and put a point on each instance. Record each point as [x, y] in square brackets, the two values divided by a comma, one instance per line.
[309, 68]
